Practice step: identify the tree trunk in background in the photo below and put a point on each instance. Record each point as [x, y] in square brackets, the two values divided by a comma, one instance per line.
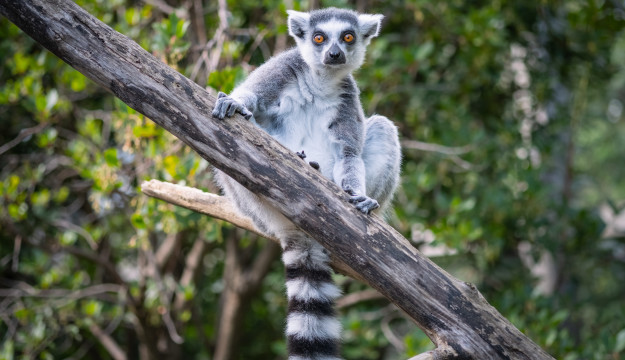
[242, 282]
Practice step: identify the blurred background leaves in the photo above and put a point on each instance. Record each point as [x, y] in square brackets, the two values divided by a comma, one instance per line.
[511, 116]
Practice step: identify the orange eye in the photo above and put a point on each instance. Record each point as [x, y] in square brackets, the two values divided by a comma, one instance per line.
[318, 39]
[348, 38]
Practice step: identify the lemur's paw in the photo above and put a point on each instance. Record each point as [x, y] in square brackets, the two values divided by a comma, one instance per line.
[301, 155]
[363, 203]
[368, 205]
[227, 106]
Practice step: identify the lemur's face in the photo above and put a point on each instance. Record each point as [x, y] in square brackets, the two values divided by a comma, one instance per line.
[333, 38]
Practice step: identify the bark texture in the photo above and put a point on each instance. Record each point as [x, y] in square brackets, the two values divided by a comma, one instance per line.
[452, 313]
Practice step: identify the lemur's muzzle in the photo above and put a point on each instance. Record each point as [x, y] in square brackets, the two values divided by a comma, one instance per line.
[334, 56]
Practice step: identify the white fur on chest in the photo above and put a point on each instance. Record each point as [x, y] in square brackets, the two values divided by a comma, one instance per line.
[306, 117]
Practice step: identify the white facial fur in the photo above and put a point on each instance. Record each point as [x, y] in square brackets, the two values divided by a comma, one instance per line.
[333, 29]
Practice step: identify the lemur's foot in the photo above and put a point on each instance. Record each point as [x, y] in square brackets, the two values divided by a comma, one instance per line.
[362, 202]
[302, 155]
[314, 164]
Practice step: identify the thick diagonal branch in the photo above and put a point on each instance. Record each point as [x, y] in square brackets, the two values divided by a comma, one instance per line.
[452, 313]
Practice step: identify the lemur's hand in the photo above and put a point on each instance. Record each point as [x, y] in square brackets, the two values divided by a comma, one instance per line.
[227, 106]
[363, 203]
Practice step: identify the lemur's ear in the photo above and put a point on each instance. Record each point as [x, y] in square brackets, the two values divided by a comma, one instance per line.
[370, 24]
[298, 23]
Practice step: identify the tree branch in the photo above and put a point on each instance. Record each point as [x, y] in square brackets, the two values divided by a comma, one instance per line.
[452, 313]
[24, 133]
[84, 254]
[425, 356]
[164, 296]
[22, 289]
[254, 275]
[191, 269]
[197, 200]
[108, 342]
[451, 152]
[222, 208]
[166, 249]
[441, 149]
[355, 298]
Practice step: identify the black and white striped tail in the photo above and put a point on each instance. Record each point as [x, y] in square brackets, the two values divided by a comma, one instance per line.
[313, 331]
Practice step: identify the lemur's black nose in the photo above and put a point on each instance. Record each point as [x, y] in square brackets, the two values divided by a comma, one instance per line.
[334, 56]
[334, 52]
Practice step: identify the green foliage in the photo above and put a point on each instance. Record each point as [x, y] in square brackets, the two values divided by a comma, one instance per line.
[226, 79]
[529, 95]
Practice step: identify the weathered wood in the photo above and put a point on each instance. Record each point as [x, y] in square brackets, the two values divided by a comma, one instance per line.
[197, 200]
[452, 313]
[220, 207]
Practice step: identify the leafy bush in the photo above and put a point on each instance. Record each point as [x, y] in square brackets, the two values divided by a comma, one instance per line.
[527, 99]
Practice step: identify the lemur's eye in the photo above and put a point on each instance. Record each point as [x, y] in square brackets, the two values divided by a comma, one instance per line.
[318, 38]
[348, 38]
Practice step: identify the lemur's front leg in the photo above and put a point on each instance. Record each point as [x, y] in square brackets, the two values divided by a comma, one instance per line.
[349, 172]
[226, 106]
[363, 203]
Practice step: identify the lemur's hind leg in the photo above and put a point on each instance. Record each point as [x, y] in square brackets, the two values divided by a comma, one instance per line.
[313, 331]
[264, 216]
[382, 158]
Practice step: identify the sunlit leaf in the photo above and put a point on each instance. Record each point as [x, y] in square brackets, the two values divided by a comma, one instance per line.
[620, 342]
[171, 163]
[51, 99]
[138, 221]
[110, 156]
[92, 308]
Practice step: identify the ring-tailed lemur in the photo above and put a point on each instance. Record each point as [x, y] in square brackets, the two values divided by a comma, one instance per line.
[307, 99]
